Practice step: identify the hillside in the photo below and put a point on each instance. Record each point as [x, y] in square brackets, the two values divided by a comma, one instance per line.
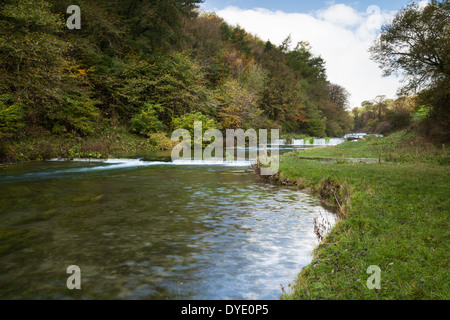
[136, 68]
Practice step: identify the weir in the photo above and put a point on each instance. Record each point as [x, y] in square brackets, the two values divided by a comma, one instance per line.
[318, 142]
[308, 142]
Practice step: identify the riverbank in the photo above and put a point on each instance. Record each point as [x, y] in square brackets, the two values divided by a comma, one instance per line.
[393, 215]
[112, 142]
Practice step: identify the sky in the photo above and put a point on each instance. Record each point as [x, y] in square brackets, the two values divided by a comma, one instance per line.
[341, 32]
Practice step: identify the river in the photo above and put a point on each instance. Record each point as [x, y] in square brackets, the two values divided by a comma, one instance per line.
[150, 230]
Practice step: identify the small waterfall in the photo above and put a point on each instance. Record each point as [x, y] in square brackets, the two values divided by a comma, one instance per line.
[278, 141]
[318, 142]
[335, 141]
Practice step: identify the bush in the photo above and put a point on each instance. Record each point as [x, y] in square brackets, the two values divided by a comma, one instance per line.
[75, 116]
[161, 141]
[316, 127]
[146, 121]
[11, 118]
[187, 122]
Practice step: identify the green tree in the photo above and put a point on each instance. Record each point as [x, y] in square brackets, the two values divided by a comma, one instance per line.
[156, 25]
[282, 97]
[171, 80]
[11, 117]
[32, 55]
[416, 45]
[188, 120]
[147, 120]
[40, 71]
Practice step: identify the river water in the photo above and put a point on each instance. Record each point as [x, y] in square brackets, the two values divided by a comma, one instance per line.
[150, 230]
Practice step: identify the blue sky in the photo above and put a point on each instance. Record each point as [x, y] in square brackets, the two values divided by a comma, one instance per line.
[303, 6]
[341, 32]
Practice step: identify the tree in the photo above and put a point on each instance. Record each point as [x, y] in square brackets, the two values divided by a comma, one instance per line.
[304, 63]
[11, 117]
[339, 95]
[416, 45]
[356, 120]
[38, 72]
[171, 80]
[238, 106]
[380, 106]
[156, 25]
[281, 99]
[146, 121]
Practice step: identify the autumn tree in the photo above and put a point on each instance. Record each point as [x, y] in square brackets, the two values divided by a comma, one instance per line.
[281, 100]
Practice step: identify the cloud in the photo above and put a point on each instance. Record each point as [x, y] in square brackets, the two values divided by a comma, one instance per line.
[338, 33]
[340, 14]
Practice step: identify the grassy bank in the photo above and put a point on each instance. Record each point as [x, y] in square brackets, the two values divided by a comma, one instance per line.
[393, 215]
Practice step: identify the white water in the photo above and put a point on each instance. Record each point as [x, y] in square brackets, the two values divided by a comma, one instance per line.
[119, 163]
[115, 164]
[318, 142]
[306, 142]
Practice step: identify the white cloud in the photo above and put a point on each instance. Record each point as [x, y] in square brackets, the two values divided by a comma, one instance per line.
[339, 34]
[340, 14]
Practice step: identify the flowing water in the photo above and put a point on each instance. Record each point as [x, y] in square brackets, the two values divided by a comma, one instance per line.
[150, 230]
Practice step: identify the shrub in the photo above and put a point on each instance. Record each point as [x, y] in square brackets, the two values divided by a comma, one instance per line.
[11, 118]
[146, 121]
[161, 141]
[316, 127]
[187, 122]
[75, 116]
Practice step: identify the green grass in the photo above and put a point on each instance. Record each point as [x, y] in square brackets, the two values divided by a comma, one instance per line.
[393, 215]
[398, 147]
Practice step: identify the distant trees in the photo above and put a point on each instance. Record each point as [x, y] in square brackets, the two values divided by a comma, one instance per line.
[416, 45]
[384, 116]
[339, 119]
